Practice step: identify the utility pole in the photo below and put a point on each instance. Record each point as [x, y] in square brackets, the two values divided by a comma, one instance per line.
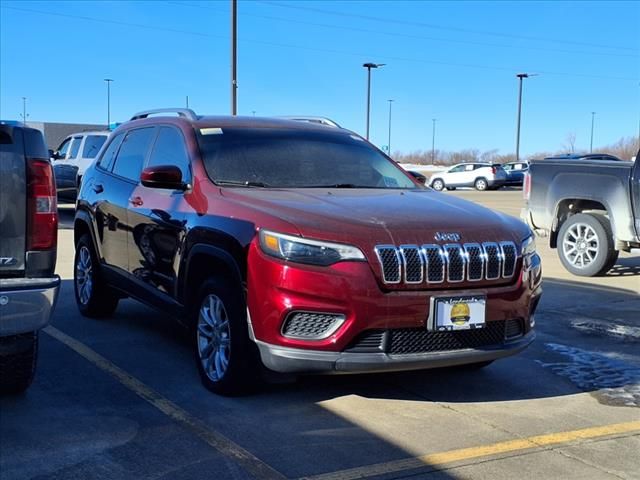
[389, 139]
[593, 116]
[187, 100]
[108, 80]
[433, 142]
[520, 76]
[24, 110]
[234, 57]
[369, 66]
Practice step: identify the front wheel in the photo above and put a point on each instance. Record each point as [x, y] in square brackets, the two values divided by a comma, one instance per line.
[437, 185]
[226, 358]
[586, 245]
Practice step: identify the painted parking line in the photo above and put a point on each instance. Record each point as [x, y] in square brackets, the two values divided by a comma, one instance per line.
[252, 464]
[451, 456]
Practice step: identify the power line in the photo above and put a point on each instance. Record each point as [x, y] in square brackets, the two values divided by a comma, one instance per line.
[411, 36]
[440, 27]
[316, 49]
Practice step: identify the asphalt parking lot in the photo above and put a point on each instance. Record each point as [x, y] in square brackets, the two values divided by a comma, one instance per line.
[120, 399]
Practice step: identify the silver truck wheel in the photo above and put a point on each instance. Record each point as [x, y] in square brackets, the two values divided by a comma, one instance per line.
[585, 245]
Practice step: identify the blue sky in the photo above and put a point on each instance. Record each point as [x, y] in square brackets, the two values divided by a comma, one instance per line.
[454, 61]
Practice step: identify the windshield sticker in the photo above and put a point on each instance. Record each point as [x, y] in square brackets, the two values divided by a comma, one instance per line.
[211, 131]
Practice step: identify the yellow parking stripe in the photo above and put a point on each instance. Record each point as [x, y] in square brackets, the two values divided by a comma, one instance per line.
[222, 444]
[437, 459]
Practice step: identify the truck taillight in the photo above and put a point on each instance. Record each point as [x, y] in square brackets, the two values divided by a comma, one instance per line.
[526, 187]
[42, 208]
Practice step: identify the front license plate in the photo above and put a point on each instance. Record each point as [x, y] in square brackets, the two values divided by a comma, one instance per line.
[458, 313]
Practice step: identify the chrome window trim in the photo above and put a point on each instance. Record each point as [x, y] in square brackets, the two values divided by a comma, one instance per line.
[499, 254]
[515, 253]
[404, 261]
[483, 261]
[446, 248]
[431, 246]
[377, 249]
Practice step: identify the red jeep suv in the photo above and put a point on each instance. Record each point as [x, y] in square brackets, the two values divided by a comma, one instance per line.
[299, 247]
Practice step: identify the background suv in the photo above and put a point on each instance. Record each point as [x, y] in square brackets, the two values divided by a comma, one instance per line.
[481, 176]
[298, 247]
[72, 158]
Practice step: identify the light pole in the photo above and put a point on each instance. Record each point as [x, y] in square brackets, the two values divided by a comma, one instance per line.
[253, 112]
[433, 142]
[234, 57]
[108, 80]
[24, 110]
[520, 76]
[187, 100]
[593, 116]
[389, 138]
[369, 66]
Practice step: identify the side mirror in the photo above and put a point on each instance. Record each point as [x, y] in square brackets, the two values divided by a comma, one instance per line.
[420, 178]
[163, 176]
[52, 154]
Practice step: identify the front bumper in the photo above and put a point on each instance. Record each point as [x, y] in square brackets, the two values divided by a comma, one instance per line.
[26, 304]
[293, 360]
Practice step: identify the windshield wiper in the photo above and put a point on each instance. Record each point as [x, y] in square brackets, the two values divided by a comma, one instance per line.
[241, 184]
[339, 185]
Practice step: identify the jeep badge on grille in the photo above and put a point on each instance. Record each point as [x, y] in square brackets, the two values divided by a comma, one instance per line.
[446, 237]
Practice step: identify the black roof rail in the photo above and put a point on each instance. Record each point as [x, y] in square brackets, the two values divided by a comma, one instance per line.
[182, 112]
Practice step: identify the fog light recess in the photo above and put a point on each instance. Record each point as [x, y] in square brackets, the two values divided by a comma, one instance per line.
[311, 325]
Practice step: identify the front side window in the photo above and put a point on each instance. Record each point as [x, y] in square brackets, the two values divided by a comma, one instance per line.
[457, 168]
[281, 158]
[109, 156]
[170, 149]
[133, 152]
[64, 148]
[75, 147]
[92, 145]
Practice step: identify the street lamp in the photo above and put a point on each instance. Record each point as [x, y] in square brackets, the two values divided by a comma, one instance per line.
[389, 139]
[520, 76]
[593, 116]
[24, 110]
[108, 80]
[433, 142]
[369, 66]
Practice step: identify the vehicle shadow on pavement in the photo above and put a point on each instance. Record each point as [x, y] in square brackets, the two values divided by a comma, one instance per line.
[625, 267]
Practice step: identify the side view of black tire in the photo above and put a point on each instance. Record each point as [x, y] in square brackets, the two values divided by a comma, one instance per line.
[227, 360]
[586, 246]
[438, 184]
[18, 366]
[93, 296]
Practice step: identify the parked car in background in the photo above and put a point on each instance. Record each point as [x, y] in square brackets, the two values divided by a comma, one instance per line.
[71, 159]
[481, 176]
[589, 208]
[297, 247]
[515, 173]
[28, 238]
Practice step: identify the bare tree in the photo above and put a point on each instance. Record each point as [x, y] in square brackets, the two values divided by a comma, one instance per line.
[570, 143]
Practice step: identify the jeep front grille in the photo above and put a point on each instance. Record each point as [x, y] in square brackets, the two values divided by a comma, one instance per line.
[453, 263]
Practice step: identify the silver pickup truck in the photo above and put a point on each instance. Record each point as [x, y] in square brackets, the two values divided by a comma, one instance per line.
[588, 206]
[28, 238]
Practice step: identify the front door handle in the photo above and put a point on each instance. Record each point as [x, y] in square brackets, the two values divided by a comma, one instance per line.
[136, 201]
[98, 188]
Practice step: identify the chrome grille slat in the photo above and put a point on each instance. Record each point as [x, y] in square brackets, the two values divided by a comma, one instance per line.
[450, 263]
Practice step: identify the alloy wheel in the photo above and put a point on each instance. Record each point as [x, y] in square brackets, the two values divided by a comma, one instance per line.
[580, 245]
[84, 275]
[214, 337]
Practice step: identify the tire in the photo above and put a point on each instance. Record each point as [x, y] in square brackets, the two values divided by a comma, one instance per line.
[451, 188]
[226, 358]
[481, 184]
[438, 185]
[94, 297]
[586, 246]
[18, 368]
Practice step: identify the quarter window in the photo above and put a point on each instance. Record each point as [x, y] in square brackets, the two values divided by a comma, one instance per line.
[92, 145]
[169, 149]
[133, 153]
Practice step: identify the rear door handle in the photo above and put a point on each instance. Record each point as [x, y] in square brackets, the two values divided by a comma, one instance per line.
[98, 188]
[136, 201]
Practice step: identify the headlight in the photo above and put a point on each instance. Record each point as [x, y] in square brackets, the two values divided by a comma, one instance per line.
[302, 250]
[528, 249]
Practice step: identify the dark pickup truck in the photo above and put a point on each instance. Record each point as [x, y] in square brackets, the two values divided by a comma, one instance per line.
[28, 237]
[588, 207]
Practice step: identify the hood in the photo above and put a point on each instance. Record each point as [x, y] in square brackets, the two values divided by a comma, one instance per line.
[369, 217]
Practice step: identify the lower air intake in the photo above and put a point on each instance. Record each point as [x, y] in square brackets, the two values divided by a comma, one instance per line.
[311, 326]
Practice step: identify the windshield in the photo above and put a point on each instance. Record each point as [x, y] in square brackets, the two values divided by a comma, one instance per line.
[279, 158]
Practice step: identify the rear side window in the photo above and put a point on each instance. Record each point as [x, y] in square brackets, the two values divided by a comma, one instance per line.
[75, 147]
[133, 152]
[92, 145]
[109, 156]
[170, 149]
